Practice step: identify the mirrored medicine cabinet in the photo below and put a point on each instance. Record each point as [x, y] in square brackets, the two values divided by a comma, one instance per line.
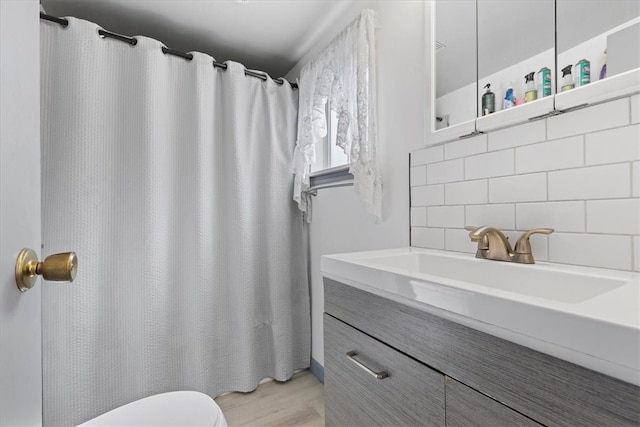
[514, 52]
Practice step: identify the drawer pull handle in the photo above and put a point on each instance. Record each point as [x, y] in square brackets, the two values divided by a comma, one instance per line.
[379, 375]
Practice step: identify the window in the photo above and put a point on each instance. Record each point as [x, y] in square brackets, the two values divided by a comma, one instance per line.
[337, 156]
[332, 163]
[328, 154]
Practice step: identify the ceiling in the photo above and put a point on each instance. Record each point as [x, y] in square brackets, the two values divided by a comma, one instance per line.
[267, 35]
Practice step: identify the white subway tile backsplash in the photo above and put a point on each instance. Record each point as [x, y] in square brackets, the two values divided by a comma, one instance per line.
[428, 155]
[419, 217]
[458, 240]
[635, 179]
[613, 145]
[578, 173]
[501, 216]
[466, 193]
[598, 117]
[418, 175]
[466, 147]
[431, 238]
[595, 182]
[635, 109]
[613, 216]
[447, 171]
[518, 188]
[539, 247]
[596, 250]
[498, 163]
[516, 136]
[445, 216]
[559, 154]
[428, 195]
[561, 216]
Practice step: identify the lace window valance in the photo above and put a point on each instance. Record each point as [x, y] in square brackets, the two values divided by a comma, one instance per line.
[344, 76]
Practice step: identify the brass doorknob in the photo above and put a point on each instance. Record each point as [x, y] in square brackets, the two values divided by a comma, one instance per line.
[60, 267]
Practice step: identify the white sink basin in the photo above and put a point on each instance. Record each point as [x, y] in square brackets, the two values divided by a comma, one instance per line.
[548, 283]
[587, 316]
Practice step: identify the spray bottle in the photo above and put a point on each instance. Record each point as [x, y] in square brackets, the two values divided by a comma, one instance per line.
[567, 84]
[488, 101]
[532, 93]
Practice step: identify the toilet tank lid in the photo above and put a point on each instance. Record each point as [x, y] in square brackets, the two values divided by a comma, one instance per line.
[177, 408]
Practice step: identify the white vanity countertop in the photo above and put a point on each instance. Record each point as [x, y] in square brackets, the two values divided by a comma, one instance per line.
[593, 319]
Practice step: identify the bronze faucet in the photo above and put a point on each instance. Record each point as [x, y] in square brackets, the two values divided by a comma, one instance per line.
[492, 244]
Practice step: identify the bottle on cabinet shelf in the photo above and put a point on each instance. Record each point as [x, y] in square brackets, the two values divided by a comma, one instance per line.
[509, 98]
[532, 93]
[544, 82]
[583, 72]
[567, 83]
[603, 70]
[488, 101]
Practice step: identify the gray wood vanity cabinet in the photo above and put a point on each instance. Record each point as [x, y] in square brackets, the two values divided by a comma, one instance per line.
[467, 407]
[444, 373]
[357, 398]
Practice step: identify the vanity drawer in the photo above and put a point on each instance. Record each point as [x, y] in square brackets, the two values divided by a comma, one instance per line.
[411, 394]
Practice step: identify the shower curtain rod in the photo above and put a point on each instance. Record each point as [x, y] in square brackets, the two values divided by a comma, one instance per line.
[188, 56]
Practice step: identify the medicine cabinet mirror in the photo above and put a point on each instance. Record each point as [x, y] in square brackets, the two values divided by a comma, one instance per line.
[516, 53]
[454, 61]
[500, 42]
[597, 40]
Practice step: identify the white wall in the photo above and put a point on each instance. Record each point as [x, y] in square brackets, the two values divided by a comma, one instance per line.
[20, 314]
[340, 222]
[577, 172]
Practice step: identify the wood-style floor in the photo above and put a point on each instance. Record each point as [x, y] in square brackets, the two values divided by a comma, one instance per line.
[297, 402]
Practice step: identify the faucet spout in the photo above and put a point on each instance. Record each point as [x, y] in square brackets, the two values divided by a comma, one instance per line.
[499, 247]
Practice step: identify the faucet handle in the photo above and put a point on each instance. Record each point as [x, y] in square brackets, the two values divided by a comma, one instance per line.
[522, 250]
[483, 244]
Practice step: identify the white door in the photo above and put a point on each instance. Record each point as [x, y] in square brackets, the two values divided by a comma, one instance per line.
[20, 313]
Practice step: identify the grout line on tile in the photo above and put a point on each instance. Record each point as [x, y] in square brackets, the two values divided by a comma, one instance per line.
[634, 260]
[607, 129]
[488, 196]
[546, 181]
[546, 129]
[464, 168]
[632, 184]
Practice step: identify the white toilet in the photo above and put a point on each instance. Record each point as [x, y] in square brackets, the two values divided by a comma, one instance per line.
[177, 408]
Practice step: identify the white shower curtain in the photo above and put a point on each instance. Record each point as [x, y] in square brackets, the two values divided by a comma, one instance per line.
[171, 180]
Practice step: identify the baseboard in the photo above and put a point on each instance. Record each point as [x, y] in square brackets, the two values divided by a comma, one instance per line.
[317, 370]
